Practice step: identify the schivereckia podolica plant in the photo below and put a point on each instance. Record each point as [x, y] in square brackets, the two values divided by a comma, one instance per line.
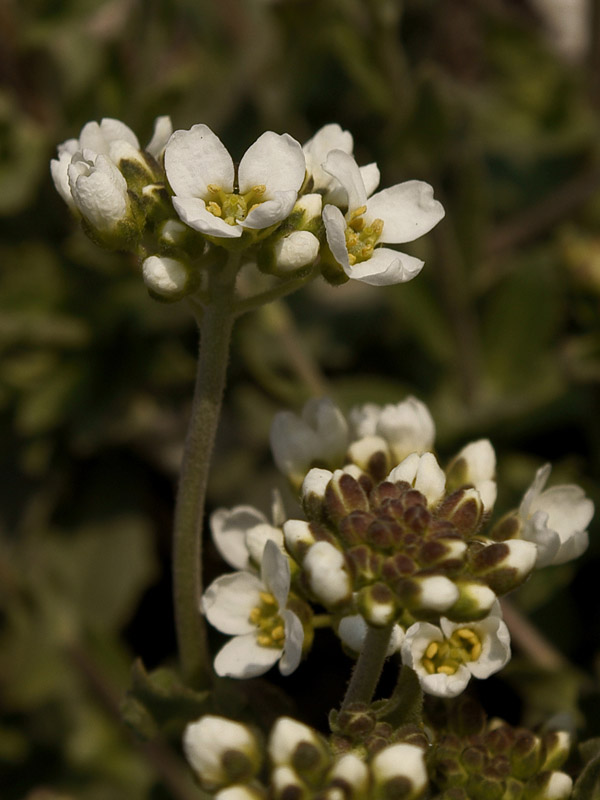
[400, 553]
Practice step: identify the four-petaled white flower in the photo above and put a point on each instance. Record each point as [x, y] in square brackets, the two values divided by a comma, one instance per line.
[396, 215]
[555, 520]
[212, 199]
[253, 610]
[446, 658]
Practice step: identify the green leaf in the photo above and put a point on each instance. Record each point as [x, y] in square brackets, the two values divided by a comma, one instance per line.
[405, 706]
[587, 786]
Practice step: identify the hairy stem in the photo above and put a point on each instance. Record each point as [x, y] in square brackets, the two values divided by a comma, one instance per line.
[215, 336]
[367, 669]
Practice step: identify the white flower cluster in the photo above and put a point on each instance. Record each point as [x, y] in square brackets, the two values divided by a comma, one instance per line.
[285, 203]
[391, 539]
[227, 759]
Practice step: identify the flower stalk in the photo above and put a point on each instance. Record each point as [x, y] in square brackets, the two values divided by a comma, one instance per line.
[368, 667]
[215, 336]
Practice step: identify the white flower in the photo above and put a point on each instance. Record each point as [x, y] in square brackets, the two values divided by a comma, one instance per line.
[352, 630]
[401, 761]
[555, 520]
[424, 474]
[253, 610]
[98, 189]
[165, 276]
[408, 427]
[475, 464]
[396, 215]
[332, 137]
[328, 577]
[241, 534]
[296, 250]
[319, 435]
[202, 175]
[207, 743]
[445, 658]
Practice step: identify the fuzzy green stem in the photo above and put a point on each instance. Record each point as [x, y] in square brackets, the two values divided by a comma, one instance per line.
[367, 669]
[215, 336]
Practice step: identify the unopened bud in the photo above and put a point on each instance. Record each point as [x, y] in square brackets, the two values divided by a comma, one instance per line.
[371, 454]
[166, 278]
[432, 593]
[401, 766]
[556, 746]
[295, 745]
[221, 751]
[475, 601]
[464, 508]
[505, 565]
[328, 578]
[377, 605]
[286, 785]
[343, 495]
[298, 537]
[549, 786]
[351, 774]
[525, 755]
[240, 792]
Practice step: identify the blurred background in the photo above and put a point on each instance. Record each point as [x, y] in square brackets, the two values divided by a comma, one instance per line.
[497, 104]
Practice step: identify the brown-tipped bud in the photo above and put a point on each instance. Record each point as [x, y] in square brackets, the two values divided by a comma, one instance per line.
[313, 492]
[473, 758]
[483, 788]
[377, 605]
[287, 785]
[508, 527]
[426, 594]
[356, 721]
[438, 552]
[500, 739]
[365, 565]
[371, 454]
[464, 508]
[467, 717]
[343, 495]
[526, 754]
[397, 567]
[298, 538]
[399, 771]
[295, 745]
[384, 534]
[505, 565]
[417, 518]
[549, 786]
[556, 749]
[475, 601]
[353, 528]
[351, 775]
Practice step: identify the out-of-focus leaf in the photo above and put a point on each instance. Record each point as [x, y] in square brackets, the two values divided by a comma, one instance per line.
[587, 785]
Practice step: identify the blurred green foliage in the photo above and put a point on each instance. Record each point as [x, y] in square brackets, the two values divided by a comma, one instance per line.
[500, 335]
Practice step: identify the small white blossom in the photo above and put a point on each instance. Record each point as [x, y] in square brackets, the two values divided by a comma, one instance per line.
[423, 473]
[320, 434]
[332, 137]
[98, 189]
[327, 574]
[445, 658]
[241, 534]
[396, 215]
[202, 175]
[407, 427]
[253, 610]
[206, 743]
[555, 520]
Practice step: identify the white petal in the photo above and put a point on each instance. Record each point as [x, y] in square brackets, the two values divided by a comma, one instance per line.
[408, 211]
[228, 601]
[98, 137]
[441, 685]
[229, 529]
[406, 470]
[257, 538]
[329, 137]
[99, 191]
[385, 268]
[292, 649]
[275, 572]
[195, 159]
[344, 168]
[274, 161]
[335, 231]
[325, 568]
[271, 211]
[541, 476]
[193, 212]
[430, 479]
[407, 426]
[163, 128]
[59, 170]
[370, 175]
[243, 657]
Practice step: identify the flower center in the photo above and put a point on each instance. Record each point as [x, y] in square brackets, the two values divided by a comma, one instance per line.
[447, 656]
[271, 627]
[232, 207]
[361, 238]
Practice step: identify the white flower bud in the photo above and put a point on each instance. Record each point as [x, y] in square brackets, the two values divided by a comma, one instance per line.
[521, 557]
[211, 741]
[296, 250]
[550, 786]
[401, 761]
[282, 778]
[476, 464]
[166, 277]
[315, 483]
[475, 600]
[59, 168]
[328, 578]
[438, 593]
[424, 474]
[239, 793]
[99, 190]
[172, 232]
[408, 427]
[286, 736]
[311, 205]
[352, 630]
[361, 451]
[353, 772]
[298, 537]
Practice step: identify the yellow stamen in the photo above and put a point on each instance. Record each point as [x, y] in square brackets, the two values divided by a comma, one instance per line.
[214, 208]
[264, 640]
[446, 669]
[432, 650]
[278, 633]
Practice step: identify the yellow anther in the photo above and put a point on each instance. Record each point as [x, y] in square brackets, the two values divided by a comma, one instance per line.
[214, 208]
[260, 189]
[358, 212]
[367, 251]
[254, 616]
[476, 651]
[351, 238]
[377, 226]
[213, 189]
[446, 669]
[432, 650]
[357, 224]
[264, 640]
[351, 259]
[429, 665]
[267, 598]
[278, 633]
[467, 634]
